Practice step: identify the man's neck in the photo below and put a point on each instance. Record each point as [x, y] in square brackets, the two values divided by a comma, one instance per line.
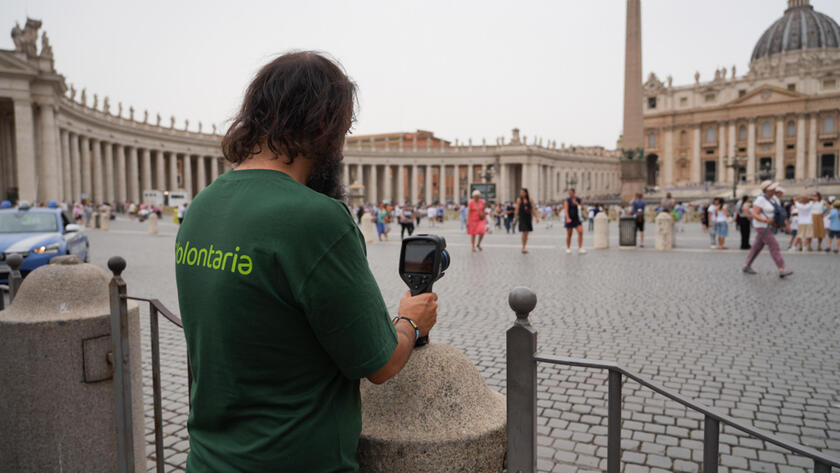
[299, 169]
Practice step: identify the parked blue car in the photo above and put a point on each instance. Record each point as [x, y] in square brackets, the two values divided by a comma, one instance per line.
[38, 234]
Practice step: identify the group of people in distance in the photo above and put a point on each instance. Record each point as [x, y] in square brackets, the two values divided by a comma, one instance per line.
[805, 218]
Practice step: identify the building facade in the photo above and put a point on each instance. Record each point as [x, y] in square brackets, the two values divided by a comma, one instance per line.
[59, 144]
[778, 121]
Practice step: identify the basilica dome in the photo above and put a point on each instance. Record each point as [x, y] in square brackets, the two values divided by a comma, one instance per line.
[801, 28]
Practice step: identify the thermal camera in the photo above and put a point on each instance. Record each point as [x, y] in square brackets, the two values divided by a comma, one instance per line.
[423, 260]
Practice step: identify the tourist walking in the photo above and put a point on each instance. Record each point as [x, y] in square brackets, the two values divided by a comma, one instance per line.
[834, 226]
[182, 213]
[571, 209]
[766, 213]
[804, 204]
[510, 211]
[381, 230]
[499, 214]
[463, 215]
[525, 212]
[431, 213]
[668, 203]
[476, 220]
[817, 215]
[719, 217]
[795, 241]
[708, 225]
[406, 220]
[637, 207]
[744, 220]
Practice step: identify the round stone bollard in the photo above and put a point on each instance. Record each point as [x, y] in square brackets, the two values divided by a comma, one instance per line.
[602, 231]
[664, 231]
[57, 404]
[153, 223]
[368, 229]
[105, 224]
[437, 414]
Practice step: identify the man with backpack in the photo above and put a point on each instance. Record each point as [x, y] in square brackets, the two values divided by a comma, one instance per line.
[767, 215]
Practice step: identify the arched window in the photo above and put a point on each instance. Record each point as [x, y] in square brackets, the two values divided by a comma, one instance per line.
[767, 130]
[683, 138]
[742, 133]
[652, 140]
[791, 129]
[710, 134]
[828, 125]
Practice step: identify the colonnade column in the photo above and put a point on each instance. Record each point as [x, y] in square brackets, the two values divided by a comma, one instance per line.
[800, 147]
[428, 178]
[25, 150]
[98, 187]
[389, 183]
[202, 174]
[214, 168]
[812, 147]
[66, 170]
[173, 170]
[470, 178]
[414, 184]
[133, 178]
[695, 155]
[122, 181]
[456, 184]
[374, 183]
[109, 172]
[721, 166]
[86, 164]
[751, 151]
[780, 149]
[50, 184]
[345, 178]
[188, 177]
[160, 170]
[731, 171]
[668, 162]
[503, 182]
[76, 168]
[146, 168]
[401, 184]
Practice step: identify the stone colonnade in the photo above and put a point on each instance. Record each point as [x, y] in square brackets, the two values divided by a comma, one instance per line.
[416, 177]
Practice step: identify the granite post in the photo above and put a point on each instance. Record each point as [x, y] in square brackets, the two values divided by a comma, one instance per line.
[602, 231]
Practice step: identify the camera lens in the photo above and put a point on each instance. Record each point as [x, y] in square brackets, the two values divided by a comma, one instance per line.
[444, 260]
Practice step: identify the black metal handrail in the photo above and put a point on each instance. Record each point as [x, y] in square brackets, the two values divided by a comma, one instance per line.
[522, 359]
[122, 376]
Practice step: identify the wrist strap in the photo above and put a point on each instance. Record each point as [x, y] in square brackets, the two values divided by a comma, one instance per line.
[414, 325]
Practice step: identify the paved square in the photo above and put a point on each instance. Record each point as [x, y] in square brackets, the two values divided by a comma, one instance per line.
[758, 348]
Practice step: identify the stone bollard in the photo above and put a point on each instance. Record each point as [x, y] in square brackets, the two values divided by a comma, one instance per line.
[664, 231]
[436, 415]
[368, 230]
[602, 231]
[57, 404]
[153, 223]
[105, 225]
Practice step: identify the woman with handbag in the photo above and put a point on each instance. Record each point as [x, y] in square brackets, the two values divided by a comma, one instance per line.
[476, 219]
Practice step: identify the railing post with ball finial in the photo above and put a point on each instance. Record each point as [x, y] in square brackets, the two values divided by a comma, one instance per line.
[522, 385]
[121, 360]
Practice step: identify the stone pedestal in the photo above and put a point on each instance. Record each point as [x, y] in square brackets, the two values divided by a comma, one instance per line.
[153, 223]
[664, 231]
[57, 401]
[437, 415]
[602, 231]
[368, 229]
[105, 223]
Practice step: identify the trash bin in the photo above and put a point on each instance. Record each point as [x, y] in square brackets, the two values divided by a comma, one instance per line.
[96, 220]
[627, 231]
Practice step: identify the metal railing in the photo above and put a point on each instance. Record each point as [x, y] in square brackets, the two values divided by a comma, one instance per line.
[522, 359]
[122, 370]
[9, 290]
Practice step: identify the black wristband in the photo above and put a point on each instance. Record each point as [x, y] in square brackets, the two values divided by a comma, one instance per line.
[414, 325]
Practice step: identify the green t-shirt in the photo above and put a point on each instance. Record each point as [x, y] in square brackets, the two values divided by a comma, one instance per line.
[282, 318]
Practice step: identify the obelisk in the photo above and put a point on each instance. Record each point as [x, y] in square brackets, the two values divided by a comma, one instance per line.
[632, 164]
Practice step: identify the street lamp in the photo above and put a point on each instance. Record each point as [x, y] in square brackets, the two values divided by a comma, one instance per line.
[488, 173]
[734, 162]
[570, 182]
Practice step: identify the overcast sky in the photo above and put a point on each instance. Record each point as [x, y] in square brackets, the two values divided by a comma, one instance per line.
[462, 69]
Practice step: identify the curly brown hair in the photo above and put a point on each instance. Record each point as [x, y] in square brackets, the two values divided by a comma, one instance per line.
[300, 104]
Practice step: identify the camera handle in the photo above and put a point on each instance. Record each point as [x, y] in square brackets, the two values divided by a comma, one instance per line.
[424, 340]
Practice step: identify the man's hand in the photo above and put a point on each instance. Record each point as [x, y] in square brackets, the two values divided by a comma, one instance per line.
[422, 309]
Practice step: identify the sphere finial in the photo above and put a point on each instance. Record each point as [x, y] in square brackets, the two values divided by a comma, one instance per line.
[14, 261]
[116, 264]
[522, 300]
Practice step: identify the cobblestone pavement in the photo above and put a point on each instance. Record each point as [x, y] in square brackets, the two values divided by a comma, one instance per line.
[763, 350]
